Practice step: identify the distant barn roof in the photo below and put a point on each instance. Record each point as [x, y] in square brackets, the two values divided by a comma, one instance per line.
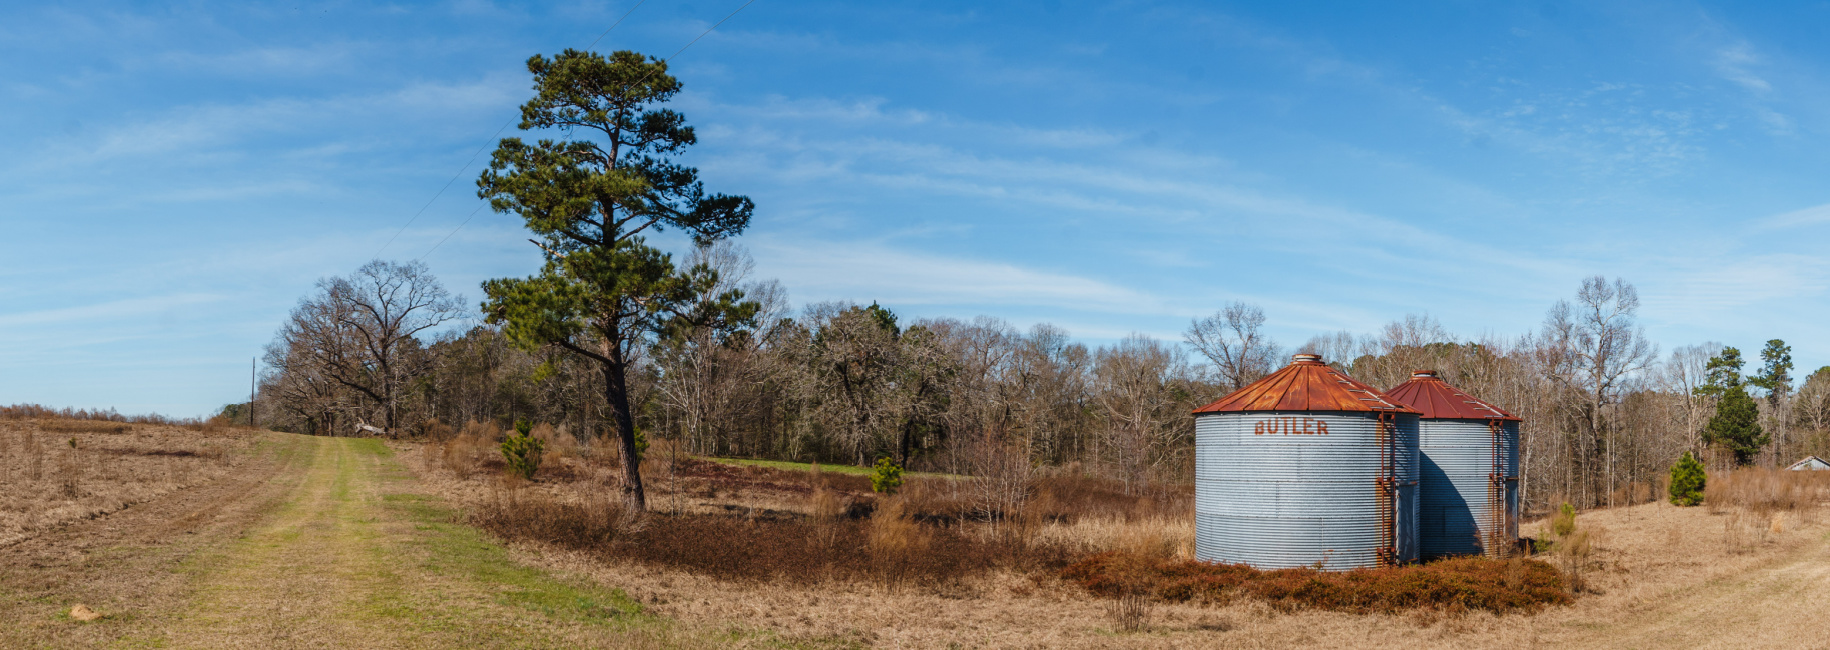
[1306, 384]
[1436, 399]
[1811, 463]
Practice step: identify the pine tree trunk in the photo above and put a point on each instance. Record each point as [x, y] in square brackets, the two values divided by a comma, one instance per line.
[616, 393]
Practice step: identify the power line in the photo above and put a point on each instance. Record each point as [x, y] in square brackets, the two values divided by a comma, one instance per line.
[441, 191]
[707, 31]
[454, 231]
[485, 147]
[683, 48]
[619, 21]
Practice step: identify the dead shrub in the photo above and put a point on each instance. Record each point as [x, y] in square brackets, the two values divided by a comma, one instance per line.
[897, 542]
[486, 432]
[216, 425]
[1129, 580]
[69, 471]
[531, 516]
[434, 430]
[1451, 585]
[472, 449]
[828, 509]
[942, 502]
[34, 457]
[1131, 612]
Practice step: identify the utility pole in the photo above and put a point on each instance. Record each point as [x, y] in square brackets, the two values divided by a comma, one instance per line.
[251, 386]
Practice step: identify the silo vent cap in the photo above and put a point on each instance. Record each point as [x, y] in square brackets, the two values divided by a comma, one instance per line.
[1306, 359]
[1424, 374]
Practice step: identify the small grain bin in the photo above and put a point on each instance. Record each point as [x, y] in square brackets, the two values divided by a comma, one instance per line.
[1470, 503]
[1306, 467]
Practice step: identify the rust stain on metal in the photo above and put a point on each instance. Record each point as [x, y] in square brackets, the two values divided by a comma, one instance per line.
[1436, 399]
[1499, 512]
[1306, 384]
[1387, 485]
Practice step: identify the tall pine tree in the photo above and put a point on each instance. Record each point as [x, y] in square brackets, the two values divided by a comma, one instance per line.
[589, 198]
[1736, 425]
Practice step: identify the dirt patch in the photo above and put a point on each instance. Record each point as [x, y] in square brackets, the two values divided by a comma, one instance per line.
[82, 612]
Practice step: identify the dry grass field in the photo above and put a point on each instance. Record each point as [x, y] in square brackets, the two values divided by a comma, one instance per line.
[236, 538]
[56, 471]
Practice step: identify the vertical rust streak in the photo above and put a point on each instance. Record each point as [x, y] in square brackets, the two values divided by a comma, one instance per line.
[1385, 437]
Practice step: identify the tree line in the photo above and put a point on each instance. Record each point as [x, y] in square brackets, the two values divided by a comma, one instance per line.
[617, 343]
[1605, 413]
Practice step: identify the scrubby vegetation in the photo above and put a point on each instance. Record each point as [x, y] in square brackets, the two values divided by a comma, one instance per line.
[889, 546]
[767, 525]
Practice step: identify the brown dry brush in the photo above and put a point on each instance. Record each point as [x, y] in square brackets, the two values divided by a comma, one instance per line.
[889, 548]
[1756, 502]
[1768, 490]
[1453, 585]
[46, 414]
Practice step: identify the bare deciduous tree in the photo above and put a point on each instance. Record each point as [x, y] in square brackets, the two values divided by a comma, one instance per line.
[1135, 388]
[361, 331]
[1234, 340]
[1593, 348]
[1681, 377]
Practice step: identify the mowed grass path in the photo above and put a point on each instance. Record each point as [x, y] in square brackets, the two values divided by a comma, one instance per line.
[354, 557]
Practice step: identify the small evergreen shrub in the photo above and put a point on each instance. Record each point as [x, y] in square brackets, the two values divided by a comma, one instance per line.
[523, 450]
[1687, 481]
[1572, 547]
[886, 476]
[1564, 522]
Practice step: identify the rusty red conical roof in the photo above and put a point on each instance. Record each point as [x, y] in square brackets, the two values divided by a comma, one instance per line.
[1306, 384]
[1435, 398]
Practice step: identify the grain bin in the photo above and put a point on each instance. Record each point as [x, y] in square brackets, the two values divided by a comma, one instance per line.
[1306, 467]
[1470, 448]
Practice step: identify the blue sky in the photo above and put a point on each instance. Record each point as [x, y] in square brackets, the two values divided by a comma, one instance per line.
[178, 176]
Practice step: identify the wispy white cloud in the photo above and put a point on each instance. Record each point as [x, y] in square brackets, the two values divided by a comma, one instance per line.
[854, 270]
[1121, 183]
[211, 129]
[116, 310]
[1810, 216]
[1715, 288]
[1735, 62]
[267, 61]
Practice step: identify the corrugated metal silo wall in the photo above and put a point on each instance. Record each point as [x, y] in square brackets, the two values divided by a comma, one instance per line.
[1463, 507]
[1271, 497]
